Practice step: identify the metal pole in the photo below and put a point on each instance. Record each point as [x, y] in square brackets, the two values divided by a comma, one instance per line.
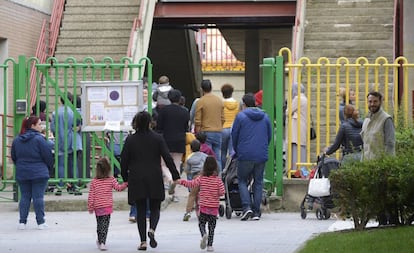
[279, 100]
[268, 106]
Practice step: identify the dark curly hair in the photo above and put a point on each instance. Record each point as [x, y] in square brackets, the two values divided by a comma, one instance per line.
[210, 167]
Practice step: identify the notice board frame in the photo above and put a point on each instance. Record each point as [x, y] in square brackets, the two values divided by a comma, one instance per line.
[110, 105]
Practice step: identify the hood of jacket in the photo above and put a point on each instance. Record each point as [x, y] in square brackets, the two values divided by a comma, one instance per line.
[231, 104]
[254, 113]
[28, 135]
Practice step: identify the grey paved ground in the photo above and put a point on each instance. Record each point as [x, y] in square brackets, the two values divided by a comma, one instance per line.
[75, 232]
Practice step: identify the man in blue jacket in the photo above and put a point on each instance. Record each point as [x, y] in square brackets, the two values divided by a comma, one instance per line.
[251, 135]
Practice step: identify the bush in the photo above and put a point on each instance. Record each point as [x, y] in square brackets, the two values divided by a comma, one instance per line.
[369, 189]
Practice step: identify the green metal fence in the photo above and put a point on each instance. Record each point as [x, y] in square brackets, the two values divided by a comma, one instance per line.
[55, 80]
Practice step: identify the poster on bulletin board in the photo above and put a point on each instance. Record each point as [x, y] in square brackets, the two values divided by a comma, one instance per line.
[110, 105]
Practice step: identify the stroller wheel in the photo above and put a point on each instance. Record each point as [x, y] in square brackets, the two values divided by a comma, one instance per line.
[326, 214]
[221, 210]
[303, 213]
[228, 212]
[319, 214]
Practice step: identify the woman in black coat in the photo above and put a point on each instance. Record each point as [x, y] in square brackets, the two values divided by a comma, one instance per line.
[141, 168]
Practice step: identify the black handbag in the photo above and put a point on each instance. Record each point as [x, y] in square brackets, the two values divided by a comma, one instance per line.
[312, 133]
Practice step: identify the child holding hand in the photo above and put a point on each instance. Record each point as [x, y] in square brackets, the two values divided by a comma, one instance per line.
[100, 199]
[211, 188]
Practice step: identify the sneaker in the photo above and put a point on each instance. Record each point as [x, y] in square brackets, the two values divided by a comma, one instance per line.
[103, 247]
[77, 192]
[203, 242]
[175, 199]
[42, 226]
[132, 219]
[210, 249]
[21, 226]
[98, 245]
[58, 193]
[256, 217]
[246, 215]
[187, 216]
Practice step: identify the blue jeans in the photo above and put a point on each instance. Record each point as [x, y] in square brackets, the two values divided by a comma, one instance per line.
[32, 189]
[133, 210]
[247, 170]
[214, 141]
[226, 145]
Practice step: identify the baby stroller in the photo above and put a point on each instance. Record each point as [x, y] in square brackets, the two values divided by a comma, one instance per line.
[231, 185]
[323, 167]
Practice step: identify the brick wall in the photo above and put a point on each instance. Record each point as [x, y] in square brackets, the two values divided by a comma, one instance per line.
[19, 30]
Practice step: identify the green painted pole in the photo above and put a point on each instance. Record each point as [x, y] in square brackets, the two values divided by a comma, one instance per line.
[268, 107]
[280, 77]
[19, 91]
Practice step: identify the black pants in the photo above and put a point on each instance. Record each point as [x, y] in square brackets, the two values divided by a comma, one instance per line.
[211, 220]
[102, 226]
[154, 206]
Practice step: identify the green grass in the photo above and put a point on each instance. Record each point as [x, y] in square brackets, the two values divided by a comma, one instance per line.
[378, 240]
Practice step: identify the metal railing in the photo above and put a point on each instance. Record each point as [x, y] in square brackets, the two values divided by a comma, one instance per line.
[47, 43]
[215, 54]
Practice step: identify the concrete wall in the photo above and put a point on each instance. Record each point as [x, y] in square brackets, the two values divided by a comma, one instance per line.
[44, 6]
[235, 79]
[19, 34]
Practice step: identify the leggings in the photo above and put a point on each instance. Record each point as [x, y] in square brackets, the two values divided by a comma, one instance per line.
[102, 223]
[154, 206]
[211, 219]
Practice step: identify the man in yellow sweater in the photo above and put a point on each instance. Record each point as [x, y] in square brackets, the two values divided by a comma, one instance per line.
[209, 118]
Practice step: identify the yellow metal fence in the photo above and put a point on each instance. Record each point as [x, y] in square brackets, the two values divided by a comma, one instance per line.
[322, 81]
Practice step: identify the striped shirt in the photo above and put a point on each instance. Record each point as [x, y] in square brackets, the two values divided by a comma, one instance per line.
[211, 188]
[100, 192]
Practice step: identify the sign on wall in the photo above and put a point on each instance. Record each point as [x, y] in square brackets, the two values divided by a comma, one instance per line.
[110, 105]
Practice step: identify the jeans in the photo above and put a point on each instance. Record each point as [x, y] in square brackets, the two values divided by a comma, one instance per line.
[133, 210]
[245, 171]
[352, 157]
[32, 189]
[226, 145]
[214, 141]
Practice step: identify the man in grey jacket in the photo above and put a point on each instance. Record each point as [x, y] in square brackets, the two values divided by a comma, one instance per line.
[378, 132]
[378, 135]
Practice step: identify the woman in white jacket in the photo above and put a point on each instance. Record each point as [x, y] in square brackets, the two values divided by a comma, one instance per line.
[299, 112]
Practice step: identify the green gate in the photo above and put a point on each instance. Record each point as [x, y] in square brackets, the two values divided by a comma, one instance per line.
[55, 80]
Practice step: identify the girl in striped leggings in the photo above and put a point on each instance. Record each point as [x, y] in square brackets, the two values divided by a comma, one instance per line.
[100, 199]
[211, 188]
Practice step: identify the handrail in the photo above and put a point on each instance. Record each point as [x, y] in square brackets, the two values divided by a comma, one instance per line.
[296, 28]
[41, 51]
[41, 47]
[137, 24]
[55, 21]
[131, 36]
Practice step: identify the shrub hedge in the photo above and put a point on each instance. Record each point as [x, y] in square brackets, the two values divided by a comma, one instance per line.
[385, 186]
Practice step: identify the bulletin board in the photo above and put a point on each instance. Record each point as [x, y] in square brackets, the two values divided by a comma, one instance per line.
[110, 105]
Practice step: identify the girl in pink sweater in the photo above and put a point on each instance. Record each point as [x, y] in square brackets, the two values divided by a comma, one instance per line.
[211, 188]
[100, 199]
